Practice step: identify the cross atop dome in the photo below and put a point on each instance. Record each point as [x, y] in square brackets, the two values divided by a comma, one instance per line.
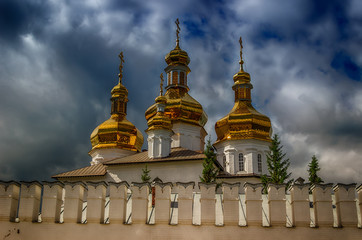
[241, 55]
[120, 75]
[177, 34]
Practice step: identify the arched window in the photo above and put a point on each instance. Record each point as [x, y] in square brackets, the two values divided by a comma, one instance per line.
[241, 162]
[259, 163]
[224, 161]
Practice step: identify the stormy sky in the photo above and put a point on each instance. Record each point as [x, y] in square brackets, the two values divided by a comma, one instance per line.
[58, 63]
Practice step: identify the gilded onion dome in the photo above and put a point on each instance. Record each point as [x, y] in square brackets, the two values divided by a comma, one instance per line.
[160, 120]
[117, 131]
[180, 106]
[243, 121]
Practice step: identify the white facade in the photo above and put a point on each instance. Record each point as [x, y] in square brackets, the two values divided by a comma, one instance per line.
[159, 143]
[243, 156]
[188, 136]
[105, 154]
[171, 171]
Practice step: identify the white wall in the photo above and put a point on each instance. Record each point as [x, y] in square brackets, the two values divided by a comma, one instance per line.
[177, 171]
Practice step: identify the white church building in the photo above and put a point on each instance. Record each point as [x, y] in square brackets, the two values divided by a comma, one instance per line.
[176, 134]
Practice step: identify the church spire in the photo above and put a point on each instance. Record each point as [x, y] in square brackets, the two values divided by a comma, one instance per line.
[177, 61]
[242, 85]
[119, 93]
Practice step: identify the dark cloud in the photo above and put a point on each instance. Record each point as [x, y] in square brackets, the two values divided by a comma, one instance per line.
[59, 63]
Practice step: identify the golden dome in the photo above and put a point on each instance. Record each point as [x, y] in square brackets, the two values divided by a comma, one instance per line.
[117, 131]
[243, 121]
[180, 106]
[177, 57]
[160, 120]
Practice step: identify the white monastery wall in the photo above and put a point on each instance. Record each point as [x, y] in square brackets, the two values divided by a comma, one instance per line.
[239, 211]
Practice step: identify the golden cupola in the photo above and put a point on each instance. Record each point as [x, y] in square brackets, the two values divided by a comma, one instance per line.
[160, 120]
[117, 132]
[243, 121]
[180, 106]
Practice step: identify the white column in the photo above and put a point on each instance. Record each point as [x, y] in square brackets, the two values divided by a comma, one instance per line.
[230, 159]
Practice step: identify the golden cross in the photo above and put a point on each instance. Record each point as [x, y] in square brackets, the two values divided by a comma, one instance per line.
[177, 32]
[120, 66]
[241, 48]
[161, 85]
[241, 54]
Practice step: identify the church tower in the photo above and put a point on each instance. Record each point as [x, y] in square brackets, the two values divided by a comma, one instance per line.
[243, 135]
[116, 137]
[159, 129]
[186, 114]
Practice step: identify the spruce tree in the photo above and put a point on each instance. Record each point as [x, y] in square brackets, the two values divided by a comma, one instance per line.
[145, 177]
[277, 165]
[313, 169]
[209, 172]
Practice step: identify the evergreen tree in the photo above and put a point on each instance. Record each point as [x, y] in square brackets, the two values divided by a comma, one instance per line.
[145, 177]
[209, 172]
[277, 165]
[313, 169]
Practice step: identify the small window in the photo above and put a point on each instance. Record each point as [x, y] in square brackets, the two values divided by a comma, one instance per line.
[241, 162]
[174, 78]
[224, 161]
[259, 163]
[182, 78]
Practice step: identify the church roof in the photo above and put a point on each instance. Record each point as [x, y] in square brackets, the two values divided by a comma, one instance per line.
[90, 171]
[229, 175]
[177, 154]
